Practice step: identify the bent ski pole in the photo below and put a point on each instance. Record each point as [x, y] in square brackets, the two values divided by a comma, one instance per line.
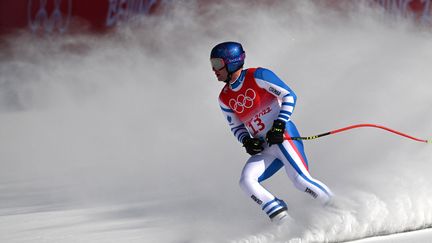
[358, 126]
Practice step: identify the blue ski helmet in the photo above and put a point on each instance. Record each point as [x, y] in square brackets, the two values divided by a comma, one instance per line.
[232, 55]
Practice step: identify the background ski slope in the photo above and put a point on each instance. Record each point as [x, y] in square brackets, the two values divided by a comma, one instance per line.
[119, 138]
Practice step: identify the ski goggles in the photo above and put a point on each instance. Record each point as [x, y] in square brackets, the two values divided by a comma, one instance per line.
[217, 63]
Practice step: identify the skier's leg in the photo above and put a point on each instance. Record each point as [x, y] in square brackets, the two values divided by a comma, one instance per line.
[296, 166]
[257, 169]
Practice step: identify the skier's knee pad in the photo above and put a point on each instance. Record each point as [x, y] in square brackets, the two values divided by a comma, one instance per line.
[314, 188]
[245, 182]
[300, 183]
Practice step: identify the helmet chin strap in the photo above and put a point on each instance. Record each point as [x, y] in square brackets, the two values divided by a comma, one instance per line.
[229, 76]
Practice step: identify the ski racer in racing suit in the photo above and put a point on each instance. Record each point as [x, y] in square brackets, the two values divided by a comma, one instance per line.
[258, 107]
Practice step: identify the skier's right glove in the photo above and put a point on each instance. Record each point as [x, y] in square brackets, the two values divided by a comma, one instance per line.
[253, 145]
[276, 134]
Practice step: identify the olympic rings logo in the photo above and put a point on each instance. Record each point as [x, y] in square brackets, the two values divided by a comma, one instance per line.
[243, 101]
[53, 21]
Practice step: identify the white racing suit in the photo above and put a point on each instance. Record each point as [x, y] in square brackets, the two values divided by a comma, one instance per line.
[251, 104]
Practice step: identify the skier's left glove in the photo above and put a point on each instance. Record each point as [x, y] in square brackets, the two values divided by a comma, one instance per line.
[253, 145]
[276, 134]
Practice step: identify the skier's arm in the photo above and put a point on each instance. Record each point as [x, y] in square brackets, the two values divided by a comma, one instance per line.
[237, 127]
[267, 80]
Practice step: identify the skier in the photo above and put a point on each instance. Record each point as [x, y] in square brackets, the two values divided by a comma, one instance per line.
[258, 107]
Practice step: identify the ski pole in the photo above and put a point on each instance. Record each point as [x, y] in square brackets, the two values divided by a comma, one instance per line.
[358, 126]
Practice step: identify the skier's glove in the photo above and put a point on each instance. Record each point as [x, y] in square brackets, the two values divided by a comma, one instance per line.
[253, 145]
[276, 134]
